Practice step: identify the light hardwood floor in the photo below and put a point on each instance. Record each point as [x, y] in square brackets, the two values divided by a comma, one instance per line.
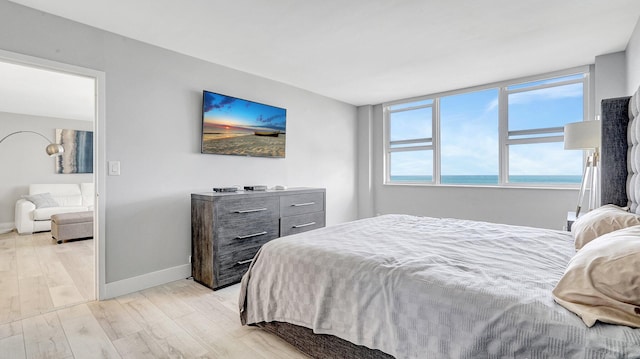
[37, 275]
[182, 319]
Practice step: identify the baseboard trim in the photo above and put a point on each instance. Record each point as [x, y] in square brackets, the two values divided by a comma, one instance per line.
[134, 284]
[6, 227]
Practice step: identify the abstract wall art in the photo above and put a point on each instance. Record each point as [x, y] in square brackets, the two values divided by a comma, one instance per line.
[78, 151]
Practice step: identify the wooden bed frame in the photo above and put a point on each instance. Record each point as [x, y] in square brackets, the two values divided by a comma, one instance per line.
[615, 120]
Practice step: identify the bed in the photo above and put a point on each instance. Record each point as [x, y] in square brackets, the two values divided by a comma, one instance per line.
[416, 287]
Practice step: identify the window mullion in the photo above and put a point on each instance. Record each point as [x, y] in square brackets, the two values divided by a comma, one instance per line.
[544, 86]
[536, 131]
[413, 148]
[435, 123]
[407, 142]
[503, 135]
[547, 139]
[387, 145]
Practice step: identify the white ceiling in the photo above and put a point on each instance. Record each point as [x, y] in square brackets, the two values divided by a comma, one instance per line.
[34, 91]
[371, 51]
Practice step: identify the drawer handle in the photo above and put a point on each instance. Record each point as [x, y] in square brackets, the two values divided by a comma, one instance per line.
[304, 225]
[252, 235]
[245, 261]
[250, 210]
[303, 204]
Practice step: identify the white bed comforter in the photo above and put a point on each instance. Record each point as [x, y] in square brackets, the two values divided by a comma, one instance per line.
[417, 287]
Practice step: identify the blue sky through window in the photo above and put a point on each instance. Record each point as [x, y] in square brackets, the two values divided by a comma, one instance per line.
[470, 139]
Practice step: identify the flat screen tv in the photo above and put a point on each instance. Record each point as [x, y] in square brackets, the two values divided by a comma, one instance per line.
[233, 126]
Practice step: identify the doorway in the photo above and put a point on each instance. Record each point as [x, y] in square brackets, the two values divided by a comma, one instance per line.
[41, 262]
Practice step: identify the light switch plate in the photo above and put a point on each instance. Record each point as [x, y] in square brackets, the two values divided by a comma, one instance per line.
[114, 168]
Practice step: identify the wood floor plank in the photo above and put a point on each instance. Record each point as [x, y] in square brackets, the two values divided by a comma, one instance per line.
[28, 263]
[10, 329]
[9, 283]
[86, 337]
[174, 340]
[270, 346]
[167, 302]
[34, 296]
[12, 341]
[139, 345]
[216, 337]
[142, 310]
[13, 347]
[44, 337]
[8, 260]
[9, 307]
[79, 263]
[114, 319]
[65, 295]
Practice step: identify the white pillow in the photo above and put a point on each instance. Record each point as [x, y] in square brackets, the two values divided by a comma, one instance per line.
[602, 281]
[599, 221]
[41, 200]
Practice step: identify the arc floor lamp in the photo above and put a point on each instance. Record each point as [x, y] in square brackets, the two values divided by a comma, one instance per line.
[53, 149]
[585, 135]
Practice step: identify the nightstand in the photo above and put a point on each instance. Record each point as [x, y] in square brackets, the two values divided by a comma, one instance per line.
[571, 217]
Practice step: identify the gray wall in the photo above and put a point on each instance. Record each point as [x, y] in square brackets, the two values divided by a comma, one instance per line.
[611, 77]
[153, 106]
[633, 61]
[366, 204]
[24, 160]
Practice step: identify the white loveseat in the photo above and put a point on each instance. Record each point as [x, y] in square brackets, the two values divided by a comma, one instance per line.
[78, 197]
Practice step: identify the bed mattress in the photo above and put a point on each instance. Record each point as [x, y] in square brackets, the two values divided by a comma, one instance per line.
[418, 287]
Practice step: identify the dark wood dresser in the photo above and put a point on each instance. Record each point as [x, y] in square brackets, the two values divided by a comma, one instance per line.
[227, 229]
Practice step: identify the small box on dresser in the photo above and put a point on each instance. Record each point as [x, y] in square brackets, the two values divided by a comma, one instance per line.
[227, 229]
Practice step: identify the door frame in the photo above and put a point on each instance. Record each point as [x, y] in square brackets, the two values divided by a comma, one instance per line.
[99, 152]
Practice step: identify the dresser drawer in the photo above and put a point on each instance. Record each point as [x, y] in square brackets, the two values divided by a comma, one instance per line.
[301, 223]
[246, 233]
[233, 265]
[295, 204]
[232, 210]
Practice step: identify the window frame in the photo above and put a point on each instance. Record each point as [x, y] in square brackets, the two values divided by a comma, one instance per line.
[434, 139]
[505, 137]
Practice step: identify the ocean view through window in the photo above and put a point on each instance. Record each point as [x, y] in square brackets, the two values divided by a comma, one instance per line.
[491, 179]
[503, 134]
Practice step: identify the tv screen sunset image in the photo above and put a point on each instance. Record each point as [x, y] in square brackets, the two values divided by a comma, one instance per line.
[232, 126]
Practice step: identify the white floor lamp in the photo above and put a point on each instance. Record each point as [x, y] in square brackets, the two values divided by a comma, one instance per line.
[585, 135]
[53, 149]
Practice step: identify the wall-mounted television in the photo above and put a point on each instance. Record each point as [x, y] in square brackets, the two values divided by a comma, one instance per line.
[233, 126]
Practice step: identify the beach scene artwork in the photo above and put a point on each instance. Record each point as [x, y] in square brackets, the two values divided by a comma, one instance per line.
[232, 126]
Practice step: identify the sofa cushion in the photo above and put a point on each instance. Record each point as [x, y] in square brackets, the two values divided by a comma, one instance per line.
[41, 200]
[44, 214]
[67, 195]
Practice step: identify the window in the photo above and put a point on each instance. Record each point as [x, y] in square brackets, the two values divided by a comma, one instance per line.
[508, 133]
[469, 138]
[537, 113]
[410, 131]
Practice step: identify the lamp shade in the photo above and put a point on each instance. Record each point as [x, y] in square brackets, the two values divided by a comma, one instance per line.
[55, 149]
[582, 135]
